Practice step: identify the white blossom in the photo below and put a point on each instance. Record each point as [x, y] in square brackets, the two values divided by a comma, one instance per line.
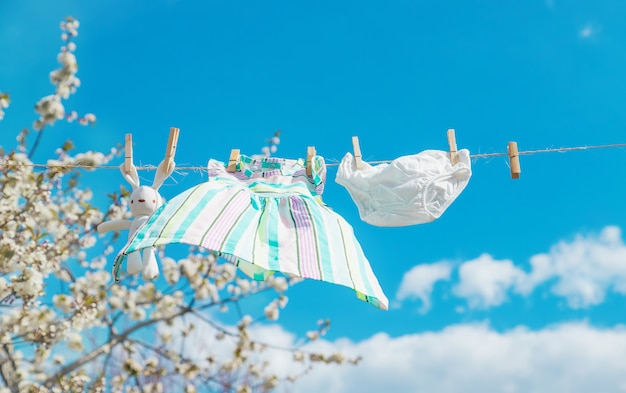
[166, 337]
[4, 287]
[270, 382]
[205, 290]
[63, 302]
[90, 117]
[75, 342]
[278, 283]
[244, 285]
[138, 314]
[116, 302]
[153, 388]
[131, 366]
[244, 389]
[4, 103]
[170, 270]
[312, 335]
[271, 312]
[67, 59]
[50, 110]
[58, 359]
[29, 284]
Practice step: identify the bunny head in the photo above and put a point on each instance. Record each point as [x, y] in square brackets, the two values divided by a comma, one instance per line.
[144, 200]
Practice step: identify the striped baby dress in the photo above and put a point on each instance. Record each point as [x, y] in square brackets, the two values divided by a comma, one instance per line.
[266, 217]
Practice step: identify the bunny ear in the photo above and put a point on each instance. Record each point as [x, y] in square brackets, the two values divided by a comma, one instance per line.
[161, 174]
[132, 177]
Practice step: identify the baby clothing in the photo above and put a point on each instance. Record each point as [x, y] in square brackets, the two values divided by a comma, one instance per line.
[413, 189]
[266, 217]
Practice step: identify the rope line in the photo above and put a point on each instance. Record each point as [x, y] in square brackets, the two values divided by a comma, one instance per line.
[203, 168]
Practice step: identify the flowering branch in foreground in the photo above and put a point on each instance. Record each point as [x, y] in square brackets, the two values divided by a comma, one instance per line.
[50, 108]
[64, 327]
[96, 336]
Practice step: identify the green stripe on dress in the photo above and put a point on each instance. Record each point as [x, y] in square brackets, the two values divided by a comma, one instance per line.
[353, 260]
[198, 201]
[272, 235]
[233, 243]
[140, 235]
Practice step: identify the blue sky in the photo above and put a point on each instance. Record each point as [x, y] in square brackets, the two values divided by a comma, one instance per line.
[398, 74]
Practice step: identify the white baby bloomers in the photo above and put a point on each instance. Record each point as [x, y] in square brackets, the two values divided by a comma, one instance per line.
[410, 190]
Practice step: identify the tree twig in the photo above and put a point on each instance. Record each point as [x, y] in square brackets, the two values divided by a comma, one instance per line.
[36, 144]
[108, 346]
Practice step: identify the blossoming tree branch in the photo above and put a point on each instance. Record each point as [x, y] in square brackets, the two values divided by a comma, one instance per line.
[65, 327]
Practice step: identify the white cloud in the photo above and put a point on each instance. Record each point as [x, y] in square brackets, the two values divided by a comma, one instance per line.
[586, 32]
[590, 30]
[484, 282]
[583, 271]
[464, 358]
[473, 358]
[418, 282]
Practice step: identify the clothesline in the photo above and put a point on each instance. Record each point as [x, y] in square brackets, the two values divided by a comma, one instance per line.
[203, 168]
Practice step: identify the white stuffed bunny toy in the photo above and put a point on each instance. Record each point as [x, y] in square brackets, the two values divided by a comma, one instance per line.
[144, 201]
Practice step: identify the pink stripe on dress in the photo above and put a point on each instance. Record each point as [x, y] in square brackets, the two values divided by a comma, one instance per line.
[306, 240]
[222, 224]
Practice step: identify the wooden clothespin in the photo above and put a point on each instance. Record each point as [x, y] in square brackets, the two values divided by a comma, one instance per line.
[172, 142]
[358, 159]
[310, 153]
[232, 161]
[514, 160]
[454, 155]
[128, 153]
